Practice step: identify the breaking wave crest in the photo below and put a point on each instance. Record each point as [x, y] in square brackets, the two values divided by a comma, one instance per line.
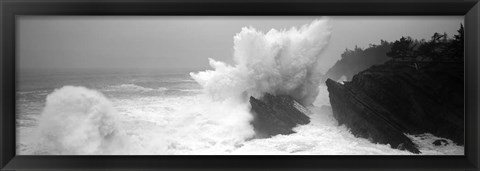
[277, 62]
[133, 88]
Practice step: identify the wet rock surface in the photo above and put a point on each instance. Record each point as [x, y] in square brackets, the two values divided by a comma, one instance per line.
[275, 115]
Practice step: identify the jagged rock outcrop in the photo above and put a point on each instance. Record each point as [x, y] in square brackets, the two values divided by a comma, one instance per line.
[275, 115]
[386, 101]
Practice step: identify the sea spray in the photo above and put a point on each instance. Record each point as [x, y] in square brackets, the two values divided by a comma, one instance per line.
[77, 120]
[277, 62]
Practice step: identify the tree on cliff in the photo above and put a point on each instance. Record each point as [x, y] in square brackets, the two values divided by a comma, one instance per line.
[418, 53]
[456, 45]
[436, 49]
[358, 59]
[442, 48]
[403, 49]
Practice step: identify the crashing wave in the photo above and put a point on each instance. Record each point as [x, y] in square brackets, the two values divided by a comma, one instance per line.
[77, 120]
[277, 62]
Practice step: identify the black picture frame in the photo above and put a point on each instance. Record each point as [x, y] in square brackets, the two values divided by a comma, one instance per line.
[11, 8]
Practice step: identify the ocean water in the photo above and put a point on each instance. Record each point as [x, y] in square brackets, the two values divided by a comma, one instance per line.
[157, 113]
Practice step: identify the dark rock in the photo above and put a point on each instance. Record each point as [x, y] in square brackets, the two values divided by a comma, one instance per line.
[440, 142]
[365, 118]
[386, 101]
[275, 115]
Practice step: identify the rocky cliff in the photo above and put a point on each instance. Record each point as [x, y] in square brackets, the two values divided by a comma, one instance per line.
[275, 115]
[386, 101]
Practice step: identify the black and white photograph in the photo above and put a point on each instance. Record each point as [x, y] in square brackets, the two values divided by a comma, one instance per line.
[240, 85]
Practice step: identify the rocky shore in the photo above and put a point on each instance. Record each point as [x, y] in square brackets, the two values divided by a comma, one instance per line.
[385, 102]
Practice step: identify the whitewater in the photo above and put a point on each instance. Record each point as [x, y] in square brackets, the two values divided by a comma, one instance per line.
[195, 113]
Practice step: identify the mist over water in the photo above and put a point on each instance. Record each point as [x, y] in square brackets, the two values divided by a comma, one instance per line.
[202, 113]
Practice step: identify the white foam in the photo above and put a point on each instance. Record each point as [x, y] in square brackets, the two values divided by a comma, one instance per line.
[426, 146]
[184, 125]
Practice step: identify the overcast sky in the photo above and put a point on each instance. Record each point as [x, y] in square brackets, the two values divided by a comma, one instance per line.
[163, 42]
